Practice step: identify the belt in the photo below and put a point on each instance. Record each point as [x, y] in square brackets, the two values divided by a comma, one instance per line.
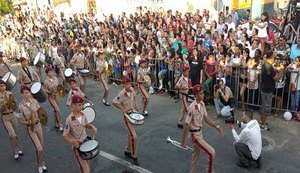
[7, 113]
[27, 83]
[37, 121]
[195, 130]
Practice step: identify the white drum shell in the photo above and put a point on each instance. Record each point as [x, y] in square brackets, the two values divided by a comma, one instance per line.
[90, 114]
[38, 93]
[89, 149]
[10, 80]
[39, 59]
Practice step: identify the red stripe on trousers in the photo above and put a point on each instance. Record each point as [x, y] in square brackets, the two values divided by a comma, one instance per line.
[36, 152]
[76, 157]
[130, 133]
[6, 130]
[102, 82]
[55, 116]
[183, 98]
[203, 148]
[144, 97]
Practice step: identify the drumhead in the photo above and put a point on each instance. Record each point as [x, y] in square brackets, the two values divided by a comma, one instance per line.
[136, 116]
[68, 72]
[84, 71]
[6, 77]
[88, 146]
[89, 113]
[36, 87]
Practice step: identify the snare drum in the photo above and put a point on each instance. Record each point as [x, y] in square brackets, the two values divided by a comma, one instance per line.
[84, 72]
[69, 73]
[89, 149]
[38, 93]
[136, 118]
[90, 113]
[10, 80]
[39, 60]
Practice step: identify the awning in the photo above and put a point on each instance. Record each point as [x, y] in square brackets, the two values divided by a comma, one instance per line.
[17, 3]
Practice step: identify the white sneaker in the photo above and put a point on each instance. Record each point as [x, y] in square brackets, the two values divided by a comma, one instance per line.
[20, 153]
[40, 170]
[61, 129]
[151, 90]
[16, 156]
[44, 168]
[160, 87]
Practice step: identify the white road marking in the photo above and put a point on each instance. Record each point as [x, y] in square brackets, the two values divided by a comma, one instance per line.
[122, 162]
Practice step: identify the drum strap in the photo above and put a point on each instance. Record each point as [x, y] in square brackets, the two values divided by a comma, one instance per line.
[27, 73]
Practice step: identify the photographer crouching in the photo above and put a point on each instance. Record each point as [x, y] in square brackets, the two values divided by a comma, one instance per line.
[223, 98]
[248, 143]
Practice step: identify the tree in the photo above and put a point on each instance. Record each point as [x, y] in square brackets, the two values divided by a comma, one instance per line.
[6, 7]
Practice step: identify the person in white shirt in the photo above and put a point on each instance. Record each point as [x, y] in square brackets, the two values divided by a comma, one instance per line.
[248, 143]
[230, 23]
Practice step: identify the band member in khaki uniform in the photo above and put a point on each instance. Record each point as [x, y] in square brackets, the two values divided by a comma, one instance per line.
[4, 68]
[50, 87]
[75, 90]
[75, 131]
[196, 114]
[79, 62]
[26, 74]
[28, 116]
[126, 101]
[141, 82]
[9, 120]
[103, 77]
[59, 62]
[183, 85]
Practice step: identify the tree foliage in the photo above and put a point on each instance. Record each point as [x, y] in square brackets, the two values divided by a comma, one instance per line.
[6, 7]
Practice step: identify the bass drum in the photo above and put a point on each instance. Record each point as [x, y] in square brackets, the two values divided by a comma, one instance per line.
[10, 80]
[89, 149]
[38, 93]
[39, 60]
[90, 113]
[84, 72]
[69, 73]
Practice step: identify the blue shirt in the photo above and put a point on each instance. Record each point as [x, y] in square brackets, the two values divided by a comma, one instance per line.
[294, 52]
[207, 43]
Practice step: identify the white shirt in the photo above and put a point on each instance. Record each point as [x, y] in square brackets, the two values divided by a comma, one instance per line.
[251, 136]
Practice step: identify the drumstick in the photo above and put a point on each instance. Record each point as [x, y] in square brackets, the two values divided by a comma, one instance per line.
[93, 137]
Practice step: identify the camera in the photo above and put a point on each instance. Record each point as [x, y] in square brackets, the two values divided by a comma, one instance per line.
[217, 86]
[232, 120]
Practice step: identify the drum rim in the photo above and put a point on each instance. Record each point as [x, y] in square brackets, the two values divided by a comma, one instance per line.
[84, 71]
[8, 74]
[92, 141]
[140, 115]
[88, 115]
[32, 87]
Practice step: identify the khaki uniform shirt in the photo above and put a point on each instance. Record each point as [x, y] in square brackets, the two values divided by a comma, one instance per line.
[24, 78]
[76, 128]
[72, 92]
[141, 74]
[78, 61]
[196, 113]
[126, 99]
[59, 61]
[26, 109]
[50, 85]
[4, 68]
[183, 82]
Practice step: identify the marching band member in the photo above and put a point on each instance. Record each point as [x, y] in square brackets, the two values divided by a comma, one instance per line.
[75, 131]
[75, 90]
[79, 61]
[126, 101]
[9, 120]
[28, 116]
[4, 68]
[59, 62]
[183, 85]
[103, 77]
[140, 80]
[196, 114]
[26, 74]
[50, 87]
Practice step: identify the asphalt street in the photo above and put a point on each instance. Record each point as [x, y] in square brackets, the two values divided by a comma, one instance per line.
[281, 151]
